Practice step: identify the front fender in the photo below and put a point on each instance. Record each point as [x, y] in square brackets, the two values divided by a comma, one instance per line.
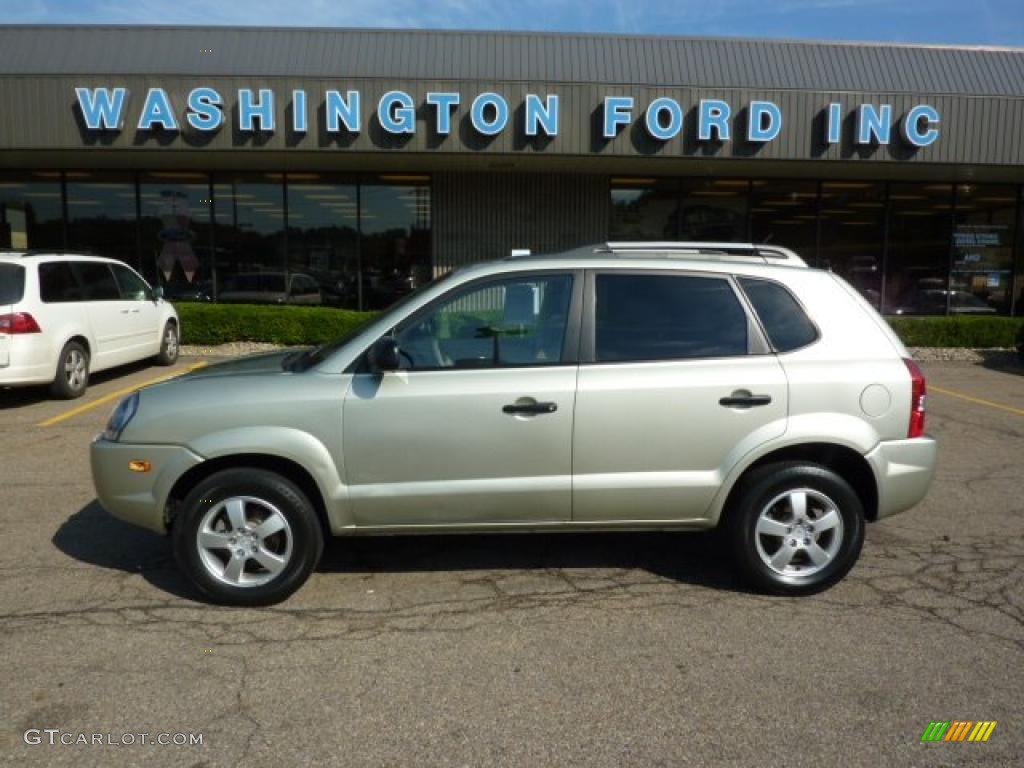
[294, 445]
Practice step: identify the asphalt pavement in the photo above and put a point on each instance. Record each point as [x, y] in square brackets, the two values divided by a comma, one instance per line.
[543, 650]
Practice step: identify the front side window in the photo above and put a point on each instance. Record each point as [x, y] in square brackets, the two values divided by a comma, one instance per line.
[57, 283]
[667, 317]
[519, 321]
[97, 281]
[133, 287]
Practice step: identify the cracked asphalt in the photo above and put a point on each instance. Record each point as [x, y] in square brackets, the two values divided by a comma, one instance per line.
[546, 650]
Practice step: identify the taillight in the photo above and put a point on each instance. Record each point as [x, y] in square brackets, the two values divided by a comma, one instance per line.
[918, 390]
[19, 322]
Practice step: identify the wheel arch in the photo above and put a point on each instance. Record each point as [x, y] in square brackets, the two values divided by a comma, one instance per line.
[280, 465]
[841, 459]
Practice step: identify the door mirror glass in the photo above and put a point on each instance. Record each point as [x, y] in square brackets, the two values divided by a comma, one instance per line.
[384, 355]
[157, 293]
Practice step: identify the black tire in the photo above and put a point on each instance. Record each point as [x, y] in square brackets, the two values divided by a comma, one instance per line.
[169, 344]
[265, 490]
[757, 555]
[72, 377]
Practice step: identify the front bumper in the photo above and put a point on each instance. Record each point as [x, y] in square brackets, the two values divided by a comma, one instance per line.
[138, 497]
[903, 470]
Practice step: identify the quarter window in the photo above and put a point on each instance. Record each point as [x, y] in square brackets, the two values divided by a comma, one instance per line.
[514, 322]
[785, 322]
[57, 283]
[667, 317]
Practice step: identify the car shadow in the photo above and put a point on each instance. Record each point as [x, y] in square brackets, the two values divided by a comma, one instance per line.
[92, 536]
[22, 397]
[1002, 361]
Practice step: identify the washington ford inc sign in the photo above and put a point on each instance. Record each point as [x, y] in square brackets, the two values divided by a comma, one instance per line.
[106, 109]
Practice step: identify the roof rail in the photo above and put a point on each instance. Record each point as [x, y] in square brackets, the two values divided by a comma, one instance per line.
[45, 252]
[767, 254]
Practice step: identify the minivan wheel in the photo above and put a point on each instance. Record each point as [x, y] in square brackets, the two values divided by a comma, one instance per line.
[795, 528]
[169, 347]
[247, 537]
[72, 377]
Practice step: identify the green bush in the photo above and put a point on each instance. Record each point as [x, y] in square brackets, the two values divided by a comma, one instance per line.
[956, 331]
[1020, 342]
[208, 324]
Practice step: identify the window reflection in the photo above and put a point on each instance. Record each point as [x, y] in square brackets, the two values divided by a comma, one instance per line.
[395, 220]
[644, 209]
[852, 232]
[917, 265]
[176, 234]
[323, 233]
[785, 213]
[102, 215]
[714, 210]
[31, 211]
[983, 236]
[249, 235]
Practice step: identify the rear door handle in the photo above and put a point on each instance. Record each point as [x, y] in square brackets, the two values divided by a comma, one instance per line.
[736, 400]
[530, 408]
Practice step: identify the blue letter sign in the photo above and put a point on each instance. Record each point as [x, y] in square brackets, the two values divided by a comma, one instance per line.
[102, 107]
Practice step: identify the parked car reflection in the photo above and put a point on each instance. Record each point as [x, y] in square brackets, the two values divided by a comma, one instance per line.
[933, 302]
[271, 288]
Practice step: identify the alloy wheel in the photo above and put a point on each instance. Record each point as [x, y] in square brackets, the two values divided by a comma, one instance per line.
[799, 532]
[244, 541]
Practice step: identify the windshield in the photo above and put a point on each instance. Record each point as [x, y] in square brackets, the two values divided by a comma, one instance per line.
[317, 355]
[12, 283]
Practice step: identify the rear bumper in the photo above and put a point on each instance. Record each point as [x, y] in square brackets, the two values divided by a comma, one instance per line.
[28, 361]
[903, 470]
[138, 498]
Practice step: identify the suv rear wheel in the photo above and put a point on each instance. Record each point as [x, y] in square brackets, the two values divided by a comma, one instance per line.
[247, 537]
[72, 372]
[795, 528]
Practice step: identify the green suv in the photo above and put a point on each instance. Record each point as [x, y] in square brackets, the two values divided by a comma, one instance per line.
[640, 386]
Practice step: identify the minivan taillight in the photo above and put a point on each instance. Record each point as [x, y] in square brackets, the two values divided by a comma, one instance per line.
[19, 322]
[918, 390]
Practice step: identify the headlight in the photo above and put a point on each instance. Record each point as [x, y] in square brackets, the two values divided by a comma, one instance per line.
[121, 416]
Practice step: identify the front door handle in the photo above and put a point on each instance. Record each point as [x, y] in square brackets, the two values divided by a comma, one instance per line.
[744, 400]
[530, 408]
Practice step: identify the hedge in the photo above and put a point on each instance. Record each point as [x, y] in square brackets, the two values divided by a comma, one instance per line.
[208, 324]
[957, 331]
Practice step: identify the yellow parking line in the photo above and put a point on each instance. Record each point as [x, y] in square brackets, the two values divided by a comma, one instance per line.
[978, 400]
[114, 396]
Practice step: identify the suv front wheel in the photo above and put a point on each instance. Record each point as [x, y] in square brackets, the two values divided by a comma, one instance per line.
[247, 537]
[795, 528]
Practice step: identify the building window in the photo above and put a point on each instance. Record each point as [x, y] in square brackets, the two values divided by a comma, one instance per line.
[31, 211]
[176, 235]
[714, 210]
[917, 264]
[323, 236]
[249, 239]
[644, 209]
[394, 243]
[984, 229]
[102, 215]
[852, 234]
[785, 213]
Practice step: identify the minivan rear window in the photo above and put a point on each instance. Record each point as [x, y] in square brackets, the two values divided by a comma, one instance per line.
[12, 283]
[784, 320]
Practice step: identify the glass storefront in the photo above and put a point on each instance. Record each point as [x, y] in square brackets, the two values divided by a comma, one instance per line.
[927, 248]
[102, 215]
[31, 211]
[175, 234]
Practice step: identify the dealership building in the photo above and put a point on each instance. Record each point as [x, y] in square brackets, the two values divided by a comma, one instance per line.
[347, 166]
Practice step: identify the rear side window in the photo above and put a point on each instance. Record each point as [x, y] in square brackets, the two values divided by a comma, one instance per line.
[667, 317]
[57, 283]
[97, 281]
[12, 283]
[783, 318]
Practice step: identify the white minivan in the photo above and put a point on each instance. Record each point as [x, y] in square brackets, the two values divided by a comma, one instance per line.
[64, 316]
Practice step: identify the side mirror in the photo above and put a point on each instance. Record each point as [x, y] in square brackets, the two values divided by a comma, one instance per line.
[158, 293]
[383, 355]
